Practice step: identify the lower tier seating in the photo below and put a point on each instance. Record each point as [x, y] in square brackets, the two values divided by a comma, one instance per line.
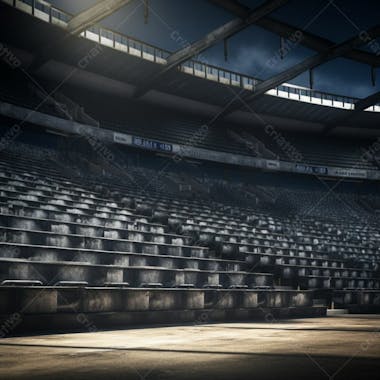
[104, 245]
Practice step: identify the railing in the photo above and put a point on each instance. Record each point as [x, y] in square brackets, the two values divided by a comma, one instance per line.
[49, 13]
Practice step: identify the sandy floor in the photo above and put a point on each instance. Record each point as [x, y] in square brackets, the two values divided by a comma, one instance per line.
[342, 347]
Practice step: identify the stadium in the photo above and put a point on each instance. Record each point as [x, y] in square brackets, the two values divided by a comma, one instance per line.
[189, 189]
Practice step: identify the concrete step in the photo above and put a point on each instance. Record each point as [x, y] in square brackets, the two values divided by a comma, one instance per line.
[333, 312]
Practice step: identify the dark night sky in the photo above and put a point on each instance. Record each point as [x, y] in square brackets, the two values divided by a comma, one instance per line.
[250, 50]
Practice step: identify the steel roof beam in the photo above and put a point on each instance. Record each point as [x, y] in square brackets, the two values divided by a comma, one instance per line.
[308, 40]
[307, 64]
[227, 30]
[94, 14]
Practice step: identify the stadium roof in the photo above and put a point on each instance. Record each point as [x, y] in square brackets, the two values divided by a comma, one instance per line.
[226, 22]
[323, 23]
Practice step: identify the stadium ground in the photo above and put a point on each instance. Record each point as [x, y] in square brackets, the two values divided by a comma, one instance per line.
[339, 347]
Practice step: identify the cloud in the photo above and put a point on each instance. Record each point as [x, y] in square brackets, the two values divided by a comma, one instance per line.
[261, 62]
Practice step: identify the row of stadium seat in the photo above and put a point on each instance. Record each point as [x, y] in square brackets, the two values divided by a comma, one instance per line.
[57, 232]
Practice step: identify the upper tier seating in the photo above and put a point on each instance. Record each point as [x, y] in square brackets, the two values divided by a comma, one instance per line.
[181, 128]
